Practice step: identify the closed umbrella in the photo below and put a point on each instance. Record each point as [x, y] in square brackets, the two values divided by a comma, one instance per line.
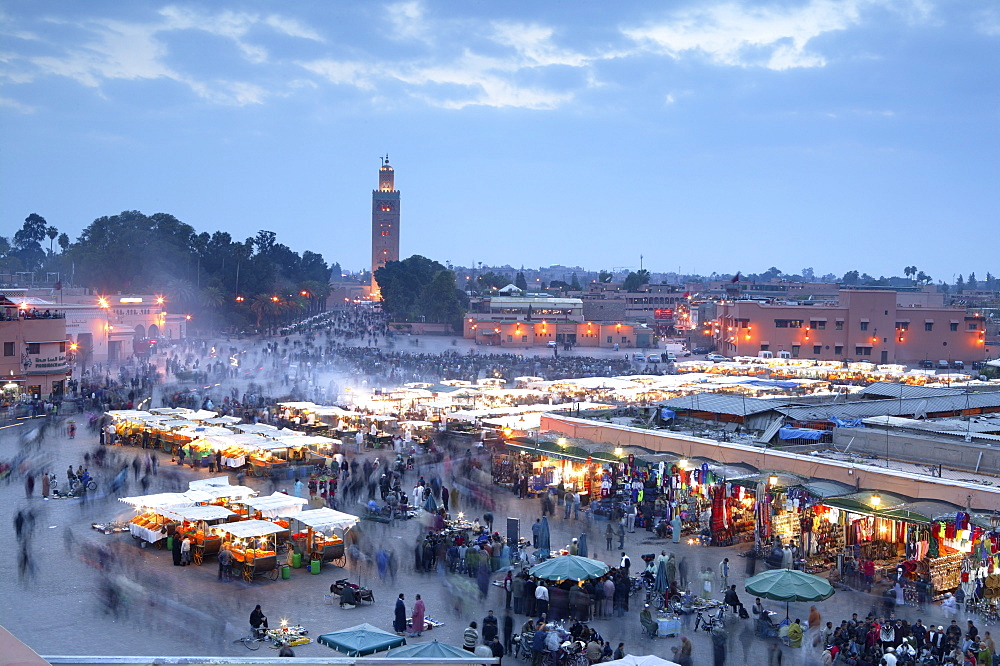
[789, 585]
[569, 567]
[430, 506]
[661, 583]
[581, 546]
[543, 539]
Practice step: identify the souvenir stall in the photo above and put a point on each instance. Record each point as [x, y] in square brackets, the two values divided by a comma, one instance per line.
[778, 504]
[150, 523]
[315, 535]
[548, 464]
[965, 554]
[274, 506]
[253, 546]
[268, 457]
[196, 522]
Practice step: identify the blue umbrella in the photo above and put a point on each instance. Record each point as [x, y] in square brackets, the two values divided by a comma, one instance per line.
[581, 547]
[430, 506]
[543, 539]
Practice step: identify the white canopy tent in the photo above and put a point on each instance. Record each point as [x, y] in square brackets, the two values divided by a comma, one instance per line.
[326, 520]
[278, 504]
[196, 513]
[247, 529]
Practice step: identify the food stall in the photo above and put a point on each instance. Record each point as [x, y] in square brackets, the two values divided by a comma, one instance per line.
[252, 544]
[150, 524]
[318, 541]
[196, 522]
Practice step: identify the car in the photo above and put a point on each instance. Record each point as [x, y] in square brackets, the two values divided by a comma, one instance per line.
[958, 365]
[943, 364]
[701, 350]
[716, 358]
[552, 344]
[979, 365]
[654, 358]
[927, 363]
[671, 357]
[639, 357]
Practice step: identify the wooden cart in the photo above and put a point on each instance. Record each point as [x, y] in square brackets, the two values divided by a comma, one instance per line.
[321, 540]
[196, 522]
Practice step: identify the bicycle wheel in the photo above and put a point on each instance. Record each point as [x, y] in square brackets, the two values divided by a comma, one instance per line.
[92, 485]
[249, 642]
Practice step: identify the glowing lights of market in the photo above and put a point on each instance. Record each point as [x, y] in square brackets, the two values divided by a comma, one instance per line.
[772, 480]
[103, 302]
[876, 499]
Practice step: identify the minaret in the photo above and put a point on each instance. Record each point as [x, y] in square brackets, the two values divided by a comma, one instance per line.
[385, 222]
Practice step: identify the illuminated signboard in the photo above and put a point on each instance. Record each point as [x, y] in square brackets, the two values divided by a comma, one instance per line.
[130, 300]
[663, 313]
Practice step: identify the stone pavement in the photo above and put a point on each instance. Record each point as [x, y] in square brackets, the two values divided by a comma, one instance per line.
[165, 610]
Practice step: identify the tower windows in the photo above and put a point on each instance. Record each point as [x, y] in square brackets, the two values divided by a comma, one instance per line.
[385, 233]
[386, 208]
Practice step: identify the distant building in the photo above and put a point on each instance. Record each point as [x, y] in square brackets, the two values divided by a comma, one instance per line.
[881, 326]
[34, 357]
[385, 222]
[529, 321]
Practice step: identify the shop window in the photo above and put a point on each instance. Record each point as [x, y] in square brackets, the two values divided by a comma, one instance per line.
[794, 323]
[34, 348]
[840, 326]
[795, 351]
[624, 339]
[862, 351]
[610, 340]
[781, 323]
[817, 349]
[838, 350]
[8, 349]
[510, 338]
[928, 326]
[864, 326]
[524, 338]
[953, 326]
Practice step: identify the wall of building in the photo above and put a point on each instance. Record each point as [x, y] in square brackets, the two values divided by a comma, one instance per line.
[33, 355]
[539, 333]
[951, 452]
[863, 325]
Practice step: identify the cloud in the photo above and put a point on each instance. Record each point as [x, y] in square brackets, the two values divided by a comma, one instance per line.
[737, 35]
[457, 73]
[17, 106]
[132, 51]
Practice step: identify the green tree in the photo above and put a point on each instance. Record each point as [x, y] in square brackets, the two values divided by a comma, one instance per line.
[63, 242]
[972, 283]
[560, 285]
[28, 242]
[635, 279]
[521, 282]
[420, 287]
[604, 277]
[52, 233]
[922, 277]
[959, 284]
[574, 282]
[491, 280]
[851, 278]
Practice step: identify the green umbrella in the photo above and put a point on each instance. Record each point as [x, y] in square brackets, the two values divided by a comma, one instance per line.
[361, 640]
[569, 567]
[429, 650]
[789, 585]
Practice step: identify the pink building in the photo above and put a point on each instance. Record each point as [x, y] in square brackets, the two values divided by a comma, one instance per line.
[863, 325]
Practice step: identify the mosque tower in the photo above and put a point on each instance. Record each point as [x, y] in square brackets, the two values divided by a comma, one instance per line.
[385, 222]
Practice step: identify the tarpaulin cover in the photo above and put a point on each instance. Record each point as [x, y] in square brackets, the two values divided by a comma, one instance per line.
[769, 383]
[847, 423]
[667, 414]
[800, 433]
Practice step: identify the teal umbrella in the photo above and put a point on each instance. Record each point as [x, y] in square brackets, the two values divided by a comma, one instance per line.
[789, 585]
[361, 640]
[430, 650]
[569, 567]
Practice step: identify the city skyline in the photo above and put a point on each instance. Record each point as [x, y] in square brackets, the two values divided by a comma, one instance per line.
[707, 137]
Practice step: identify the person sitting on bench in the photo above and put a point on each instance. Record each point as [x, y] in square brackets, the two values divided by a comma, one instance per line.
[348, 597]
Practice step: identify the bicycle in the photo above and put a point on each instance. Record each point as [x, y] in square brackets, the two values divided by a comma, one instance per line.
[79, 485]
[252, 640]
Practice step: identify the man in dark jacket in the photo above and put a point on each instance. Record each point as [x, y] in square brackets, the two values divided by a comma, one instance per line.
[490, 628]
[497, 647]
[399, 618]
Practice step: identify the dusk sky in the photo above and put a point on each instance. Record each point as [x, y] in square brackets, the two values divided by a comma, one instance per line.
[706, 136]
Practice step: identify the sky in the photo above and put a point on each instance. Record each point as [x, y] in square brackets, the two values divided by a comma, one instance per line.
[693, 136]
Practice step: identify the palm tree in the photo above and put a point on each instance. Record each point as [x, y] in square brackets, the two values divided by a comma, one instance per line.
[52, 233]
[212, 297]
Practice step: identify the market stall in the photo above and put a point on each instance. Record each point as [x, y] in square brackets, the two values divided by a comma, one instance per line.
[252, 544]
[150, 523]
[315, 535]
[195, 522]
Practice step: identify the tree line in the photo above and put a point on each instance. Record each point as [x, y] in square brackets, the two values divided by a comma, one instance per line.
[221, 281]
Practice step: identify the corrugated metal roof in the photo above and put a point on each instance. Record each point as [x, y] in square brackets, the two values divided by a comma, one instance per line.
[905, 407]
[723, 404]
[893, 390]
